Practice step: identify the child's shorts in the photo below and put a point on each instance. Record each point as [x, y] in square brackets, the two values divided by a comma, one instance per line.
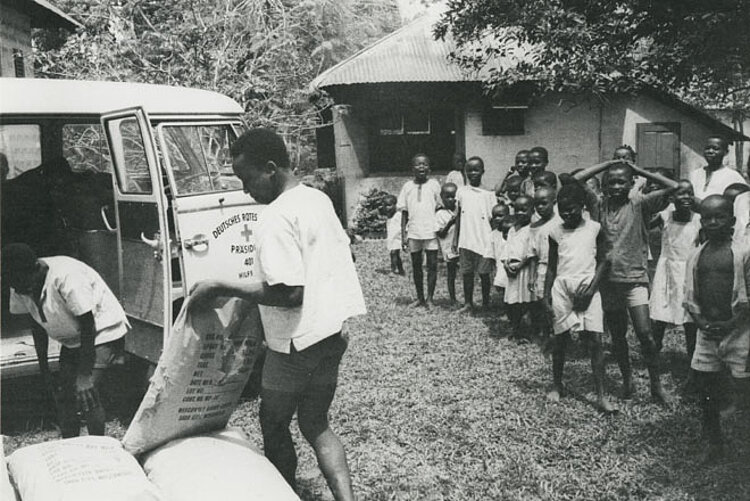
[418, 244]
[732, 351]
[619, 295]
[471, 262]
[565, 318]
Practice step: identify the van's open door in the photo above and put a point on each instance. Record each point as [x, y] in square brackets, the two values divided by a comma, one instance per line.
[215, 220]
[142, 231]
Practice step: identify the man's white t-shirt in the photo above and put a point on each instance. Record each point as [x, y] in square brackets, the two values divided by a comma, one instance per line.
[475, 205]
[420, 201]
[72, 288]
[717, 182]
[301, 243]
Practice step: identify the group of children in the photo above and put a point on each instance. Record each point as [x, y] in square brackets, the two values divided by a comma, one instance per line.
[573, 253]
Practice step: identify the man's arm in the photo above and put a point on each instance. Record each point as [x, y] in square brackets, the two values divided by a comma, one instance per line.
[404, 221]
[41, 346]
[655, 176]
[582, 298]
[549, 278]
[458, 227]
[442, 232]
[592, 171]
[283, 295]
[85, 391]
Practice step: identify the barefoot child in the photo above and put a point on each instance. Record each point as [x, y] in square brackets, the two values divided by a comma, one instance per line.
[446, 220]
[716, 295]
[393, 233]
[419, 200]
[577, 264]
[623, 216]
[679, 239]
[473, 233]
[517, 293]
[501, 224]
[545, 199]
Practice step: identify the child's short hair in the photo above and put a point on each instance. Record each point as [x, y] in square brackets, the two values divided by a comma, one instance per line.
[476, 159]
[421, 155]
[388, 199]
[628, 148]
[260, 146]
[501, 208]
[513, 181]
[546, 177]
[522, 152]
[541, 150]
[722, 139]
[573, 192]
[735, 189]
[448, 186]
[619, 166]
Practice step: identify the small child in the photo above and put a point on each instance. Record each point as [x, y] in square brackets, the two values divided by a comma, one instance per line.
[545, 199]
[446, 220]
[501, 224]
[520, 169]
[545, 179]
[576, 265]
[419, 200]
[393, 233]
[456, 176]
[474, 233]
[517, 293]
[716, 295]
[513, 189]
[678, 240]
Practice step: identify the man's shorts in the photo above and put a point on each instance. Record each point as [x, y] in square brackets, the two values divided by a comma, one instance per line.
[105, 355]
[732, 351]
[315, 366]
[471, 262]
[419, 244]
[619, 295]
[590, 320]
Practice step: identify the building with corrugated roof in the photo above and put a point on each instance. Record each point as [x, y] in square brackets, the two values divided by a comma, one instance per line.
[402, 95]
[17, 18]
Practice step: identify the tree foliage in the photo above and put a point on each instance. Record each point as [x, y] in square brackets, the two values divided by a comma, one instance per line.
[695, 48]
[261, 53]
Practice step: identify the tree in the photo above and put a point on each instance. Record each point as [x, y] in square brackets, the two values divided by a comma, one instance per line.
[261, 53]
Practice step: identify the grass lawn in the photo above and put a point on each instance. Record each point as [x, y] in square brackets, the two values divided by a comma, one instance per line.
[430, 406]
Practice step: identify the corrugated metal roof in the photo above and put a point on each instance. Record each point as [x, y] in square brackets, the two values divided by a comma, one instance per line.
[409, 54]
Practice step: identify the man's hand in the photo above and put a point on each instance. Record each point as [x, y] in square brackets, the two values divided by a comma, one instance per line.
[202, 294]
[86, 394]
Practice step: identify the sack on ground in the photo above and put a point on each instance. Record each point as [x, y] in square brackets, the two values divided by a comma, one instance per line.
[200, 376]
[87, 468]
[7, 492]
[221, 465]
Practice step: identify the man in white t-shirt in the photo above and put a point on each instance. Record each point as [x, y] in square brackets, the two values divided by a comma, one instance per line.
[69, 302]
[714, 177]
[308, 288]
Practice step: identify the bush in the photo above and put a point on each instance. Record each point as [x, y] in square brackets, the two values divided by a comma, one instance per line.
[330, 183]
[368, 221]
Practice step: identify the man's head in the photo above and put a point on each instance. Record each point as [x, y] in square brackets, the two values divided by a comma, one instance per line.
[448, 195]
[545, 179]
[261, 161]
[420, 166]
[522, 163]
[625, 153]
[513, 187]
[474, 171]
[522, 208]
[733, 190]
[538, 160]
[498, 213]
[21, 268]
[618, 181]
[717, 217]
[715, 150]
[683, 195]
[544, 201]
[570, 202]
[388, 205]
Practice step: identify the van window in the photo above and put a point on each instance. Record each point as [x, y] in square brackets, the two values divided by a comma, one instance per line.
[21, 146]
[85, 148]
[199, 158]
[128, 148]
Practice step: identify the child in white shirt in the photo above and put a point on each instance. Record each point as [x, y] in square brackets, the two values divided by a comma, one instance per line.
[501, 224]
[446, 219]
[518, 295]
[393, 233]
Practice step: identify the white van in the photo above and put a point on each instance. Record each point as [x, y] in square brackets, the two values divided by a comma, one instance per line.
[133, 179]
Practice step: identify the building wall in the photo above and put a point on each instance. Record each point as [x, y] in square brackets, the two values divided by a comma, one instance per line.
[569, 131]
[15, 33]
[621, 117]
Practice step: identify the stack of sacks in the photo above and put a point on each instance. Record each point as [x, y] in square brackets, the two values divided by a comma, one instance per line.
[221, 465]
[7, 492]
[79, 469]
[200, 376]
